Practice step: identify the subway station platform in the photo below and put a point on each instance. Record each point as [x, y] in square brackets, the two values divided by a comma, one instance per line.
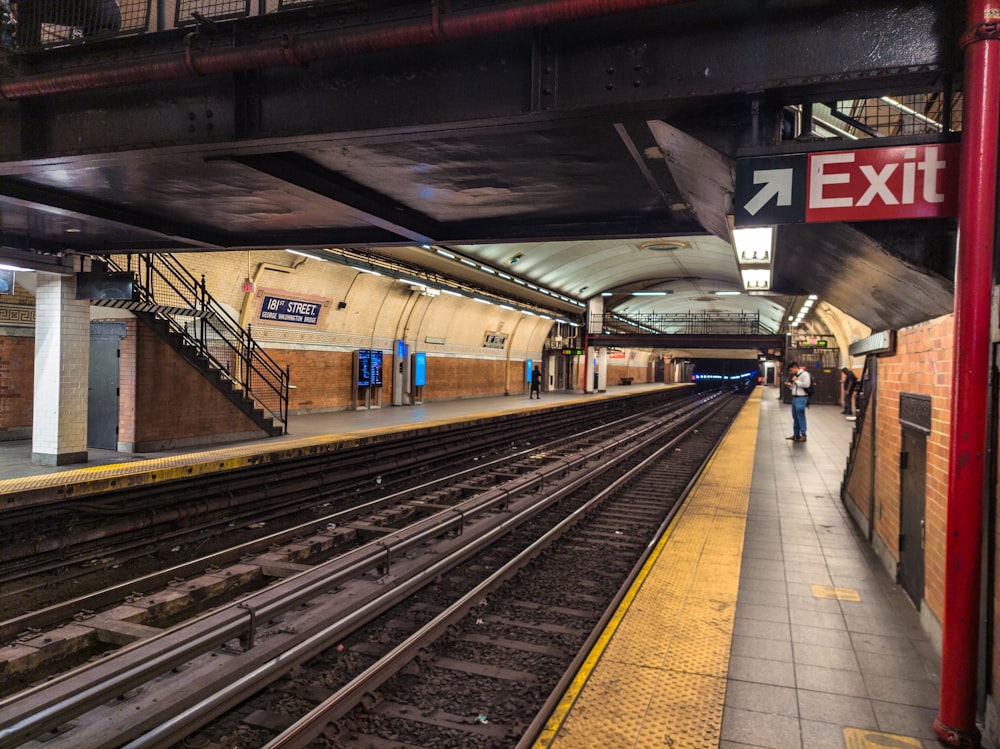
[763, 619]
[18, 473]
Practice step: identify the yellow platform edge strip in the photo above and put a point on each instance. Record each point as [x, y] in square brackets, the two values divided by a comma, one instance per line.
[747, 419]
[89, 480]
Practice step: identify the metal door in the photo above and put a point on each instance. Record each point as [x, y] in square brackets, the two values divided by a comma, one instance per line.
[912, 490]
[103, 383]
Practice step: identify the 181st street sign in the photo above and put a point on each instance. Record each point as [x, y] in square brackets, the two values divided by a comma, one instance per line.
[866, 184]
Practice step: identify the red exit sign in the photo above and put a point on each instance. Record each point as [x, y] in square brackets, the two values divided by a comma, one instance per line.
[865, 184]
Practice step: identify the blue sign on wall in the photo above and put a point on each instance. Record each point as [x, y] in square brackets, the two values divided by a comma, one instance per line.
[527, 370]
[420, 369]
[276, 309]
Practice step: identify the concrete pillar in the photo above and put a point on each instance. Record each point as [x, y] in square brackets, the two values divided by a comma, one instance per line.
[62, 358]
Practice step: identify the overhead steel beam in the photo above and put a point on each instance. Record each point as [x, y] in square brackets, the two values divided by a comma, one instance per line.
[368, 206]
[680, 340]
[653, 62]
[32, 196]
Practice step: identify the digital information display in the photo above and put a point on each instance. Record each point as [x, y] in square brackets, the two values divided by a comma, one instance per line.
[369, 368]
[527, 370]
[420, 369]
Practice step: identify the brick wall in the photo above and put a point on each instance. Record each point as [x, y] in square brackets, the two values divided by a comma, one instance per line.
[921, 365]
[453, 377]
[17, 386]
[165, 402]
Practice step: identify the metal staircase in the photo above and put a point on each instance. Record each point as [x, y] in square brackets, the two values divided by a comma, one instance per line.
[178, 308]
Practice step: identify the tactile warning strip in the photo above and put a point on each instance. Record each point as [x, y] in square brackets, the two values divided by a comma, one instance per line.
[657, 677]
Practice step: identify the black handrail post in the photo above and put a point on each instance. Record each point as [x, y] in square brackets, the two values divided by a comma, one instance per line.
[286, 385]
[200, 308]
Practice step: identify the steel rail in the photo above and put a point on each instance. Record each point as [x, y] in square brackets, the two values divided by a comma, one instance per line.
[311, 725]
[60, 612]
[176, 729]
[43, 708]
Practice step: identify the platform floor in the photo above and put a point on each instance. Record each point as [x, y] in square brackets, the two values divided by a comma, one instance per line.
[15, 455]
[764, 619]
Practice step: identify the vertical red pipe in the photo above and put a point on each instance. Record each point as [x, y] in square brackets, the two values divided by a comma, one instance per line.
[956, 721]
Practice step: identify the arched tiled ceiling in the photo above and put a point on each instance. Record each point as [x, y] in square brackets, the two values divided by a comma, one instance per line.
[691, 269]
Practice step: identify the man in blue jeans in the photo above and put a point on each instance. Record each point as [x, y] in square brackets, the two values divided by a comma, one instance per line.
[801, 380]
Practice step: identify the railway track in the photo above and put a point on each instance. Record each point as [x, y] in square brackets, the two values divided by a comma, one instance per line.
[56, 552]
[221, 654]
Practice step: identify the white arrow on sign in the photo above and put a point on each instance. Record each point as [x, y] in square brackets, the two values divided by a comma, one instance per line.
[777, 183]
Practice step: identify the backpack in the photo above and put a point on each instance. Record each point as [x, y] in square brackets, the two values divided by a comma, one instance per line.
[812, 387]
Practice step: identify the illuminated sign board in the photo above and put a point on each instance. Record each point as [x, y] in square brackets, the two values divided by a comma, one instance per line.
[276, 309]
[864, 184]
[493, 339]
[420, 369]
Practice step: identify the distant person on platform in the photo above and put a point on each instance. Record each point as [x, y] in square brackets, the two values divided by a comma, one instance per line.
[536, 383]
[800, 380]
[850, 386]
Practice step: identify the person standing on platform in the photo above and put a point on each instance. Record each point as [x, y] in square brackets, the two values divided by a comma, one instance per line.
[536, 383]
[798, 384]
[850, 385]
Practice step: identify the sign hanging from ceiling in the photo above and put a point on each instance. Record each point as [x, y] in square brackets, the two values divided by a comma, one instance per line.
[866, 184]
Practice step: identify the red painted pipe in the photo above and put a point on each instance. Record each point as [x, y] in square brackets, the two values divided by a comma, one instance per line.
[955, 724]
[290, 50]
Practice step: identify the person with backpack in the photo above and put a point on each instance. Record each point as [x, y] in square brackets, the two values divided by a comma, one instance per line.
[802, 387]
[850, 385]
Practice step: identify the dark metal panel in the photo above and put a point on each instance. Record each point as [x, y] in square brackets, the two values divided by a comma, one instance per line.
[855, 273]
[82, 209]
[369, 206]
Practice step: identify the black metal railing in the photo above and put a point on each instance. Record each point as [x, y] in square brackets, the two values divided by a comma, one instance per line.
[682, 323]
[168, 291]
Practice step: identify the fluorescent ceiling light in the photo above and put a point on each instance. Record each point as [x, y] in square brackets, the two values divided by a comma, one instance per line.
[308, 255]
[16, 268]
[753, 245]
[467, 262]
[487, 270]
[506, 306]
[649, 293]
[441, 252]
[371, 272]
[756, 279]
[728, 293]
[605, 293]
[449, 291]
[503, 275]
[482, 301]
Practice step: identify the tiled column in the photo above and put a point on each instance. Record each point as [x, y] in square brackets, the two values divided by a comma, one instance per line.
[62, 357]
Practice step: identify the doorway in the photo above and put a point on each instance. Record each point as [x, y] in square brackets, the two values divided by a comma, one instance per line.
[103, 381]
[914, 416]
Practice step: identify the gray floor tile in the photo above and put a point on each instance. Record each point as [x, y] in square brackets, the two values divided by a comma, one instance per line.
[756, 647]
[763, 630]
[816, 735]
[905, 720]
[762, 698]
[763, 598]
[895, 666]
[916, 692]
[836, 708]
[830, 680]
[760, 729]
[866, 642]
[763, 613]
[822, 655]
[820, 619]
[761, 671]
